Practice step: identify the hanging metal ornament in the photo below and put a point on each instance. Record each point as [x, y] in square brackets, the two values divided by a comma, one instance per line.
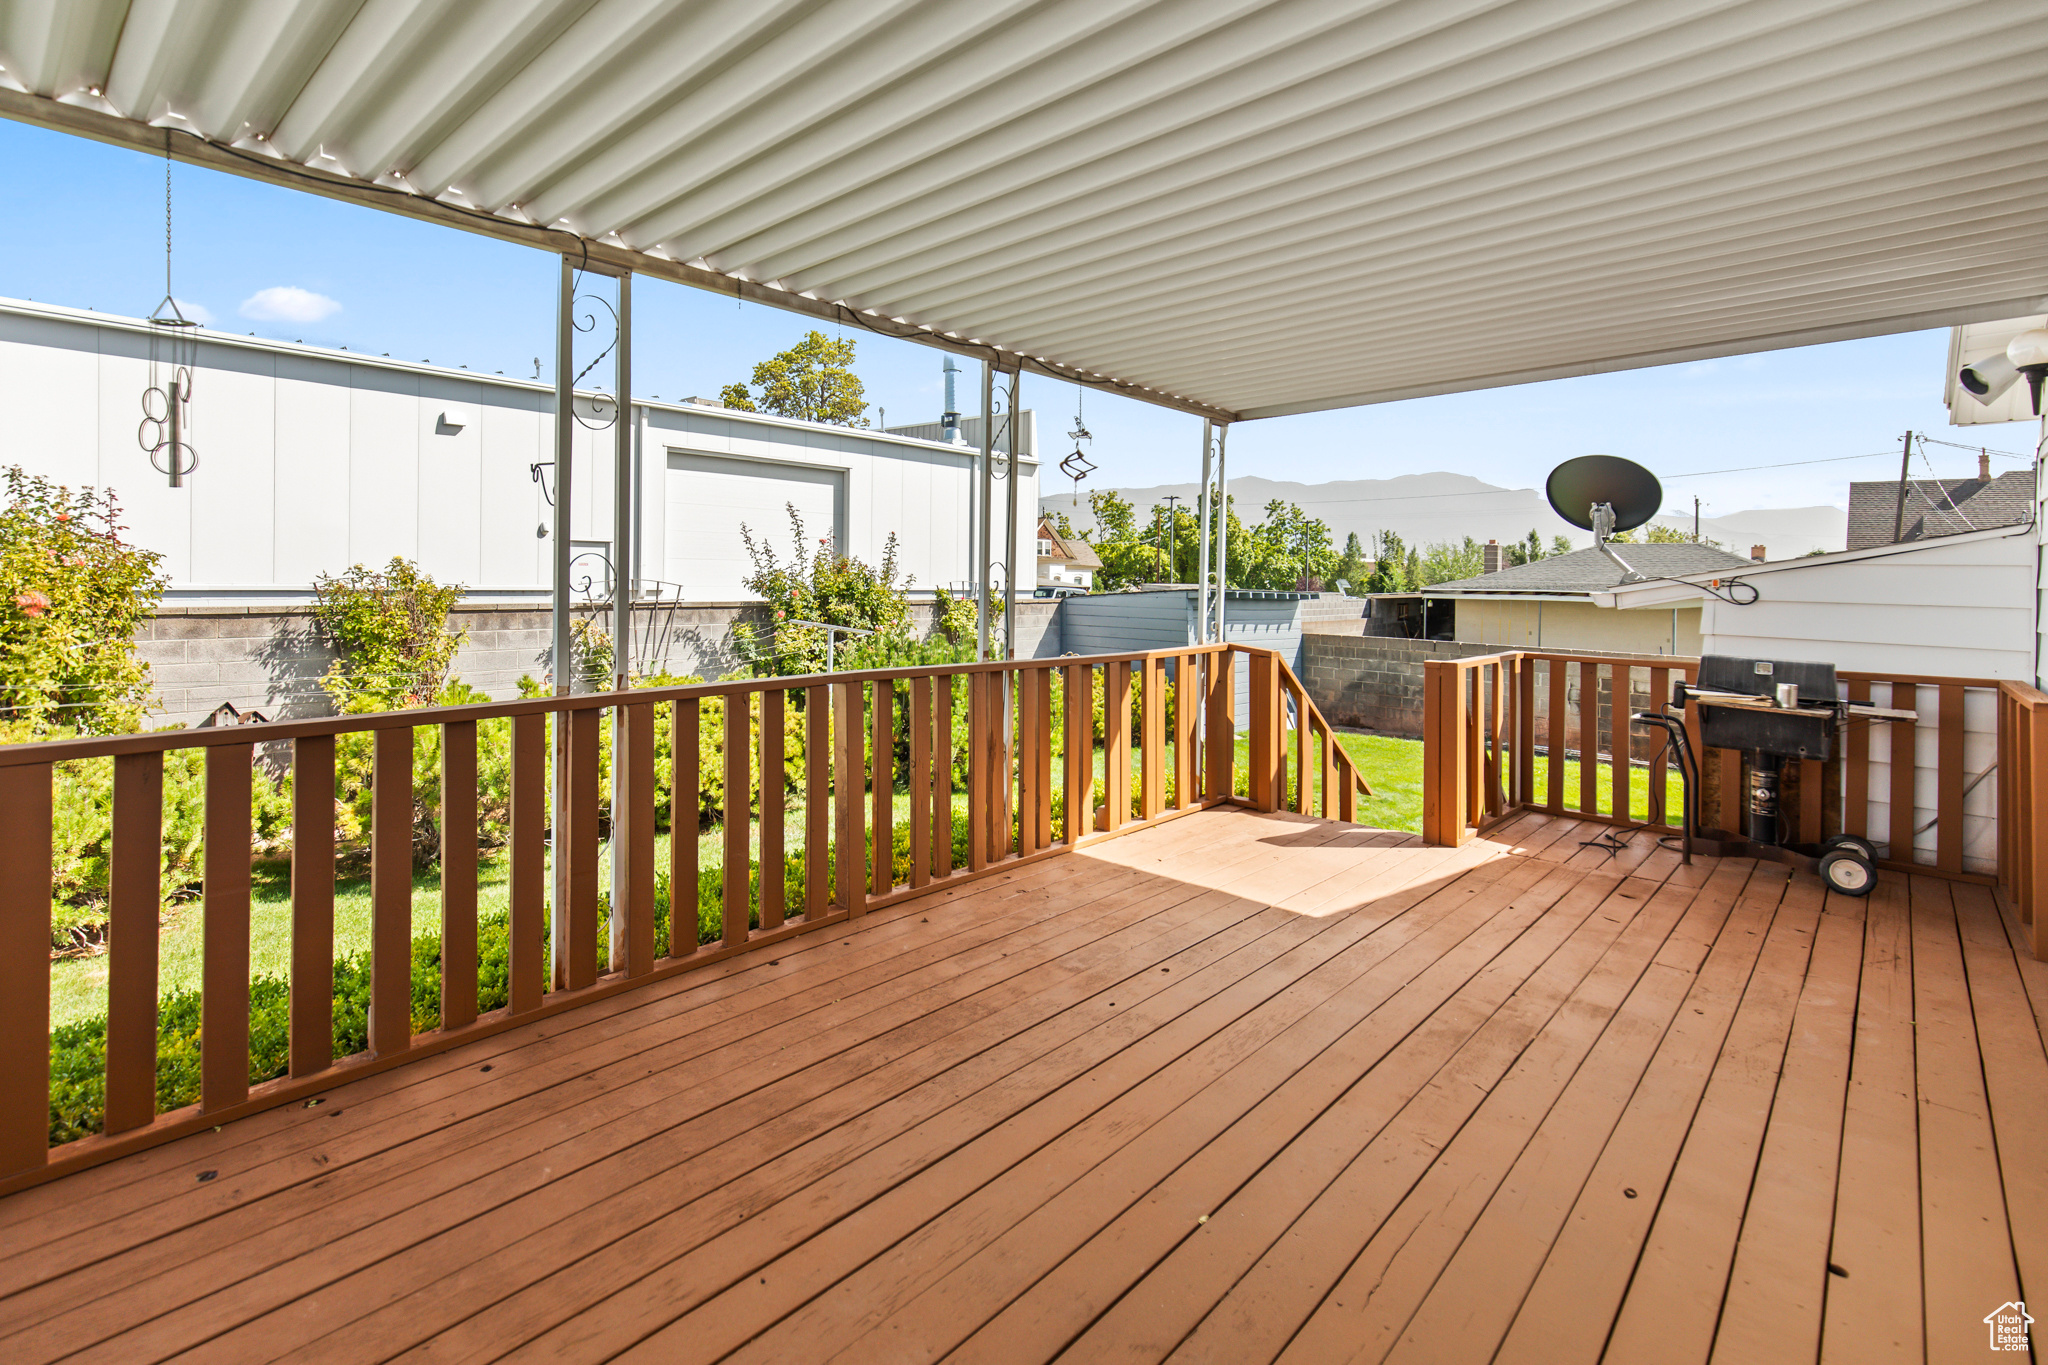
[1078, 466]
[173, 354]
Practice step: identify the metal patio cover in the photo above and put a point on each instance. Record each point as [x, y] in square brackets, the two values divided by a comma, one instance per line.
[1241, 209]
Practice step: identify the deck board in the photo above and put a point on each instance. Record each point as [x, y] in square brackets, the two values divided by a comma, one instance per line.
[1242, 1087]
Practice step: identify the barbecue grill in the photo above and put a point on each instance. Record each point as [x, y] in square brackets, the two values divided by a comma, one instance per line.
[1772, 710]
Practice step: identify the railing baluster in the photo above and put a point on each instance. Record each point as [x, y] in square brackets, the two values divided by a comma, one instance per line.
[1475, 744]
[1948, 830]
[1152, 681]
[1660, 693]
[920, 781]
[1002, 739]
[1904, 762]
[1219, 765]
[1030, 739]
[1856, 767]
[134, 866]
[1116, 743]
[312, 1017]
[458, 874]
[1186, 696]
[685, 805]
[1329, 769]
[849, 773]
[578, 968]
[1589, 737]
[739, 747]
[1041, 758]
[632, 927]
[882, 792]
[980, 780]
[1496, 716]
[942, 775]
[224, 979]
[1079, 812]
[774, 758]
[25, 885]
[390, 891]
[1302, 795]
[1620, 736]
[526, 908]
[1560, 733]
[1525, 731]
[817, 801]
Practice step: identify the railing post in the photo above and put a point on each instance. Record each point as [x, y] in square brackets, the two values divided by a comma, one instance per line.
[25, 885]
[1443, 753]
[2034, 827]
[1267, 756]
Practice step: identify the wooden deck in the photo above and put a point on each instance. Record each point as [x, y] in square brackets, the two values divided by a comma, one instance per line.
[1239, 1088]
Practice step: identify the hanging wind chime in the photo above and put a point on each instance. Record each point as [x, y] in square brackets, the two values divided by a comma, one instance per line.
[173, 352]
[1078, 466]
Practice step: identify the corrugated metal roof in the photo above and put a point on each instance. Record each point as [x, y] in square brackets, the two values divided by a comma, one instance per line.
[1246, 208]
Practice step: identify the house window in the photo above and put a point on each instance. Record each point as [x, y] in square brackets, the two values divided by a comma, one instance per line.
[1044, 546]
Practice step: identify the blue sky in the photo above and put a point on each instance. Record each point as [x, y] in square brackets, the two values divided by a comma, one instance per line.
[84, 228]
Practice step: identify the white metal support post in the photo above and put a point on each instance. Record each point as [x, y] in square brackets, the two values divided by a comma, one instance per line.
[984, 499]
[1013, 465]
[1202, 503]
[1222, 534]
[561, 641]
[625, 556]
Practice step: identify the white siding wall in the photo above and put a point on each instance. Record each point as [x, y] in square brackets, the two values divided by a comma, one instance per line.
[1949, 610]
[1957, 609]
[311, 461]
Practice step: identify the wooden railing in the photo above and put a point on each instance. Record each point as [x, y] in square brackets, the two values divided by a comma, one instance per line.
[2023, 805]
[831, 838]
[1503, 731]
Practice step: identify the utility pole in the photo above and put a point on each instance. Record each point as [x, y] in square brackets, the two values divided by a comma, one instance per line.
[1905, 469]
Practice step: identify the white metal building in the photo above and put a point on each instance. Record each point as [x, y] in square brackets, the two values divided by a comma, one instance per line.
[311, 460]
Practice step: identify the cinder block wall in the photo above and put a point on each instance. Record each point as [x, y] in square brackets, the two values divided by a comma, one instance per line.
[1372, 682]
[271, 659]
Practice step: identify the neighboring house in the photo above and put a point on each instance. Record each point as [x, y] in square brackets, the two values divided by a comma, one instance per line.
[1956, 606]
[1927, 508]
[1548, 604]
[313, 459]
[1064, 561]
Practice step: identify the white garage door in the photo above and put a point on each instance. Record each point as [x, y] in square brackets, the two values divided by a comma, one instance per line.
[709, 498]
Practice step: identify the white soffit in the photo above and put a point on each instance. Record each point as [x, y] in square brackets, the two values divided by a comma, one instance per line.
[1241, 208]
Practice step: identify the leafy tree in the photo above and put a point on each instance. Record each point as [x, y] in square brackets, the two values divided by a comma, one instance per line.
[1391, 571]
[1671, 535]
[72, 593]
[812, 380]
[1446, 561]
[1351, 571]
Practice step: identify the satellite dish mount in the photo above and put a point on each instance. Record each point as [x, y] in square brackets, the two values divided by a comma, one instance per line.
[1605, 494]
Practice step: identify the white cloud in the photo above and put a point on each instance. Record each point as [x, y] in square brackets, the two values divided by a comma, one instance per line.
[288, 303]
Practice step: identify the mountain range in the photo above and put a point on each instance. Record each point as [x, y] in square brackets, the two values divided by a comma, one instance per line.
[1422, 508]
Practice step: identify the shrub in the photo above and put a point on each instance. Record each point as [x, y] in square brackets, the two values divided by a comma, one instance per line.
[72, 594]
[390, 630]
[818, 584]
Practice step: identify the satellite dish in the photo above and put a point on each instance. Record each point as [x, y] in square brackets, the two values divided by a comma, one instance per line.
[1631, 490]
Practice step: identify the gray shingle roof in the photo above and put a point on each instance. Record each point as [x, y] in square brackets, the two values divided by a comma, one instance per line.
[1589, 571]
[1938, 507]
